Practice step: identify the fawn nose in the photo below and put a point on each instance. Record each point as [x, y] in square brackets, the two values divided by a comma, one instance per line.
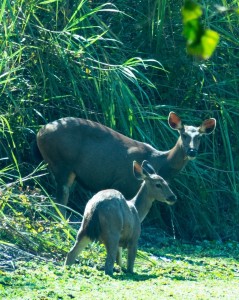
[192, 152]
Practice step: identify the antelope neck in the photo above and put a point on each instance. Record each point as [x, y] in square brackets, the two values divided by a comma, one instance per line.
[177, 157]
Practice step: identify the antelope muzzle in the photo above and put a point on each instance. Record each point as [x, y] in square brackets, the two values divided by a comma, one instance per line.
[192, 153]
[171, 200]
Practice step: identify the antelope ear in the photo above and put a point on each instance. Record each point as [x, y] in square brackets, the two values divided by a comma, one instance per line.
[208, 126]
[146, 166]
[174, 121]
[138, 171]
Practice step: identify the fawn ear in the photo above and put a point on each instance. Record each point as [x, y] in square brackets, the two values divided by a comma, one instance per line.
[138, 171]
[175, 121]
[146, 166]
[208, 126]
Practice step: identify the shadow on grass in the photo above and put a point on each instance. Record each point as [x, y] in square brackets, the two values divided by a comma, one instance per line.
[134, 277]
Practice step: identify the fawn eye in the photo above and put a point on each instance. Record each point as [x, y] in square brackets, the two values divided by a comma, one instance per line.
[158, 185]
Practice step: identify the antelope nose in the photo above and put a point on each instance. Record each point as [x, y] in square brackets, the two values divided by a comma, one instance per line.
[172, 199]
[192, 152]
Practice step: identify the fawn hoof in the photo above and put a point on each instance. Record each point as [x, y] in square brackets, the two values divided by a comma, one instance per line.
[130, 272]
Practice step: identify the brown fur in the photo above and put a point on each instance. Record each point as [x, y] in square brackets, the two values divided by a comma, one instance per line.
[109, 218]
[92, 226]
[100, 158]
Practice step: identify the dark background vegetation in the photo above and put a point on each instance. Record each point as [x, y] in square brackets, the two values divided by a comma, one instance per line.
[123, 64]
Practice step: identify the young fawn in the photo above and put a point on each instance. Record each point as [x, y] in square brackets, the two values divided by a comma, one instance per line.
[109, 218]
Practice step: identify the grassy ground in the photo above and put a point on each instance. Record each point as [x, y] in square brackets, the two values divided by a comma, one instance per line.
[168, 270]
[66, 58]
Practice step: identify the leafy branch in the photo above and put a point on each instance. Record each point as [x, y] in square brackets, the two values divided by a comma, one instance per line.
[201, 42]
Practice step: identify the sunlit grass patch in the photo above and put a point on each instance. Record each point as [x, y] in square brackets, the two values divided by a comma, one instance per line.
[183, 274]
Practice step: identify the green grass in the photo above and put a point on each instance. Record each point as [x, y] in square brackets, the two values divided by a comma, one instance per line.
[174, 270]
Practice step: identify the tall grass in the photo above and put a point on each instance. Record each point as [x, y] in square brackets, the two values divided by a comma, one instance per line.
[124, 65]
[58, 59]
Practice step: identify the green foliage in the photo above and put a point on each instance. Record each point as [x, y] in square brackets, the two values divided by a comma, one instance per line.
[61, 58]
[206, 270]
[200, 42]
[124, 65]
[28, 222]
[191, 11]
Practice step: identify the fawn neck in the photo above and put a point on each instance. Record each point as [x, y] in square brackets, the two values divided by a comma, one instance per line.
[143, 201]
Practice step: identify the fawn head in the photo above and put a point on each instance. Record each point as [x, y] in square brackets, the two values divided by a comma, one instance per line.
[157, 187]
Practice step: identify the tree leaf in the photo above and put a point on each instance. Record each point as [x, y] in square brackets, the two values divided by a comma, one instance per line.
[209, 43]
[205, 46]
[191, 11]
[201, 42]
[192, 31]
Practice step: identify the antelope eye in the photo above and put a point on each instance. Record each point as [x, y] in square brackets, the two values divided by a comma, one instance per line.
[158, 185]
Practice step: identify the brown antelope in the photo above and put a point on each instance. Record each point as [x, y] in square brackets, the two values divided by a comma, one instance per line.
[100, 158]
[109, 218]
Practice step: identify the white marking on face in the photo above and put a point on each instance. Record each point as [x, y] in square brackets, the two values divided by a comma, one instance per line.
[191, 140]
[192, 143]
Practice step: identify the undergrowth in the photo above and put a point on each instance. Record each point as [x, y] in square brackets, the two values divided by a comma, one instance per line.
[203, 270]
[123, 64]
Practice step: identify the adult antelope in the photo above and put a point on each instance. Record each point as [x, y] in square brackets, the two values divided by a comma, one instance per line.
[109, 218]
[100, 158]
